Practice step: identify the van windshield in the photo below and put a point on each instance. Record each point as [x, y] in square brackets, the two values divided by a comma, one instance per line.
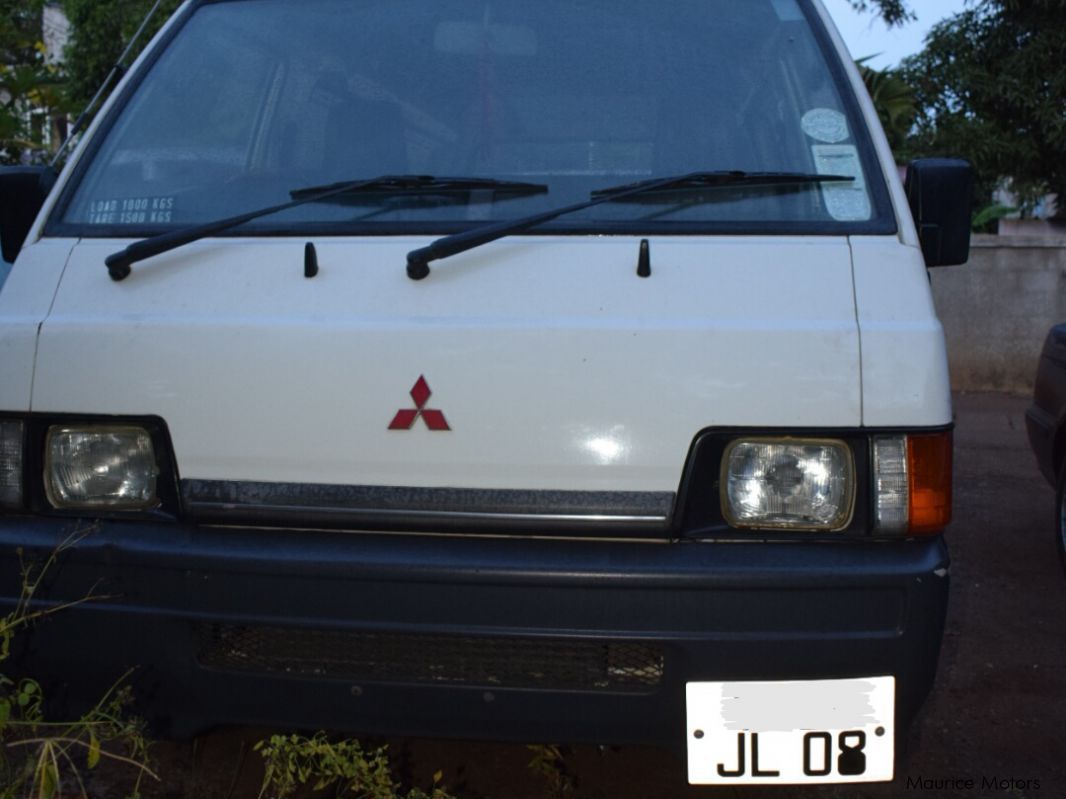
[253, 99]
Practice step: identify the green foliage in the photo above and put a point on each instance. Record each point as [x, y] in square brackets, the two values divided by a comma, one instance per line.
[894, 100]
[893, 12]
[984, 221]
[549, 762]
[36, 755]
[31, 90]
[991, 84]
[343, 766]
[100, 30]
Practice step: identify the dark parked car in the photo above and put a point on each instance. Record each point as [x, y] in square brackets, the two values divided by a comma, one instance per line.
[1046, 421]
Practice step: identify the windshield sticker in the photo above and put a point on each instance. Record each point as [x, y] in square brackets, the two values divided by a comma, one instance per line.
[131, 211]
[846, 202]
[825, 124]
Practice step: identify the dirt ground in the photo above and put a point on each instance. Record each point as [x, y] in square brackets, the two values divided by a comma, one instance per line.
[995, 724]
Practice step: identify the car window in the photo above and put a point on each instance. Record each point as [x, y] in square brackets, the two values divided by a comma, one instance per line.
[254, 99]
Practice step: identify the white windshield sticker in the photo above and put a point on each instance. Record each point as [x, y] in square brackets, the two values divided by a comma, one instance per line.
[825, 124]
[131, 211]
[846, 202]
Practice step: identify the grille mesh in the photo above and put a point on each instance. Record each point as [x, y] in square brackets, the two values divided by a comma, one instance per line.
[393, 658]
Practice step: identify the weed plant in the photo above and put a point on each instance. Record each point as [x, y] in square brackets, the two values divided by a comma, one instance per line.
[45, 759]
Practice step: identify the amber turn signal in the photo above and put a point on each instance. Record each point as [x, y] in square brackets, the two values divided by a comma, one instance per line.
[929, 466]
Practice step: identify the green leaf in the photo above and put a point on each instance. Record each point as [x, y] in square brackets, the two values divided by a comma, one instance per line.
[94, 750]
[47, 780]
[438, 776]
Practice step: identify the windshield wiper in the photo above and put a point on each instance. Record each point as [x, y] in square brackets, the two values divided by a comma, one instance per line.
[700, 180]
[119, 263]
[418, 260]
[427, 184]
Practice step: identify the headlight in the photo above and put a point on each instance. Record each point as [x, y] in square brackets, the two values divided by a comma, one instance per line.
[10, 464]
[799, 484]
[100, 466]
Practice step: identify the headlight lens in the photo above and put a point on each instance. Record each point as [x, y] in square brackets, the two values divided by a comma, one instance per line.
[102, 466]
[802, 484]
[10, 464]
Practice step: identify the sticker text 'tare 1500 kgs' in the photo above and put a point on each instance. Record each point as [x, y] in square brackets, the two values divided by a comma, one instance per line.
[131, 211]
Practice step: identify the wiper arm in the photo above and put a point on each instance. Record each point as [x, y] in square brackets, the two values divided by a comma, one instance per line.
[119, 263]
[418, 260]
[423, 184]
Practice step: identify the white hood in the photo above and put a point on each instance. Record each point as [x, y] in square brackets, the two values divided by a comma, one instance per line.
[555, 366]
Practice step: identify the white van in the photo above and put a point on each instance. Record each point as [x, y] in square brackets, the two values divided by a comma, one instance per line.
[557, 371]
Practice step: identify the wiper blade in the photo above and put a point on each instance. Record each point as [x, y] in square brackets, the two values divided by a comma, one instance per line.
[119, 263]
[698, 180]
[427, 184]
[418, 260]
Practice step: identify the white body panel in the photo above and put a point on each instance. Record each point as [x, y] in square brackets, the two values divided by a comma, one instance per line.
[905, 365]
[25, 300]
[555, 365]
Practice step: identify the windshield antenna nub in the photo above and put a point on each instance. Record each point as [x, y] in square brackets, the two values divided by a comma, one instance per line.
[644, 260]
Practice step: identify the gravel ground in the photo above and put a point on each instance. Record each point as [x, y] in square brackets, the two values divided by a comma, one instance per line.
[994, 725]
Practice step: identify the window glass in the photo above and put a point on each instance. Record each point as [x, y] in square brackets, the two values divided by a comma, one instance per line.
[255, 99]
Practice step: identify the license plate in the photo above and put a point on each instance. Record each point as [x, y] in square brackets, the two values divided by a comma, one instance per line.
[790, 733]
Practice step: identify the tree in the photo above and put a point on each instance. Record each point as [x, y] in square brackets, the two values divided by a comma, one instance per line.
[894, 99]
[991, 87]
[35, 93]
[100, 30]
[30, 88]
[894, 12]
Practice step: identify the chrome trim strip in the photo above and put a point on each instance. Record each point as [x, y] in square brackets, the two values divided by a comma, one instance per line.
[338, 505]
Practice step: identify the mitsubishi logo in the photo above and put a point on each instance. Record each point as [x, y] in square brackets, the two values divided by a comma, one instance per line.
[405, 419]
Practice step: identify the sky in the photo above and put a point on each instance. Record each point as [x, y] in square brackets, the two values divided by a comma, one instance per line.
[866, 34]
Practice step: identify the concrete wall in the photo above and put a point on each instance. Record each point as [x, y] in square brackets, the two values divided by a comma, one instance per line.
[997, 309]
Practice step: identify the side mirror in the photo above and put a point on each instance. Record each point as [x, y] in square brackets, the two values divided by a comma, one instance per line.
[23, 190]
[939, 192]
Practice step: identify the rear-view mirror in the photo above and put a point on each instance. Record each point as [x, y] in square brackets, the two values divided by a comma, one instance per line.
[23, 190]
[939, 191]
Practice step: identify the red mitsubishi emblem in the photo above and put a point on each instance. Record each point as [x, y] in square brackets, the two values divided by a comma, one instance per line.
[405, 419]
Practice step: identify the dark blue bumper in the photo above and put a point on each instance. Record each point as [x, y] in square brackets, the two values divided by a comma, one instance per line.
[499, 638]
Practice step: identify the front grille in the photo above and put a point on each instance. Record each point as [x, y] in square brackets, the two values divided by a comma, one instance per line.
[453, 660]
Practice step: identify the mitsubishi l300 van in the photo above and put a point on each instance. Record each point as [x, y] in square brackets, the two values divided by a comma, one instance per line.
[557, 371]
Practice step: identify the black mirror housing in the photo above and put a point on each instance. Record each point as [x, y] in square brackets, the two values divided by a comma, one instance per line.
[23, 190]
[939, 191]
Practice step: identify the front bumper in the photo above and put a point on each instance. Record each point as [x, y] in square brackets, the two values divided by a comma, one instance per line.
[498, 638]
